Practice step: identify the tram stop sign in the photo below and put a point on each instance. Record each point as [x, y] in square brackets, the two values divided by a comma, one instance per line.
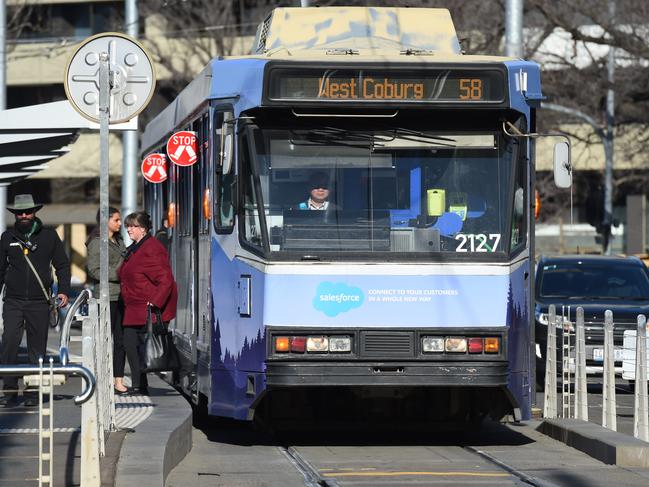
[154, 168]
[131, 77]
[181, 148]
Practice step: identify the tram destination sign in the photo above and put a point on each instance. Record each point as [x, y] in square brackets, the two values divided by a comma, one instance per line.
[387, 85]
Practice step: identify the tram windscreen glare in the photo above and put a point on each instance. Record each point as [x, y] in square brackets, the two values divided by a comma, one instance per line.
[330, 190]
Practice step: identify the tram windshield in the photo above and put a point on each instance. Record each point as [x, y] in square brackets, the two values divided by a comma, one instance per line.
[320, 190]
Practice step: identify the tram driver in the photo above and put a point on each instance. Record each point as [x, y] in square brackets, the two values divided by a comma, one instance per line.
[318, 193]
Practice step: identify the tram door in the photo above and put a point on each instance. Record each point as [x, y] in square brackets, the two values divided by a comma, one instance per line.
[185, 247]
[203, 204]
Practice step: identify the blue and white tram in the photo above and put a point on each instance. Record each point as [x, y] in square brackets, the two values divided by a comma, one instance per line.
[411, 291]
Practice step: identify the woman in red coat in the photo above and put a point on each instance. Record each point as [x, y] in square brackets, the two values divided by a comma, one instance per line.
[146, 279]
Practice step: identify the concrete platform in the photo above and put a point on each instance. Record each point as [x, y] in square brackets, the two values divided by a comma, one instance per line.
[605, 445]
[159, 442]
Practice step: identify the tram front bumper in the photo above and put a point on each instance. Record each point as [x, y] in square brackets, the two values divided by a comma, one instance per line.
[449, 374]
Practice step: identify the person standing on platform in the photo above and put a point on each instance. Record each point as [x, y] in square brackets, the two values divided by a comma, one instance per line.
[27, 253]
[146, 280]
[116, 252]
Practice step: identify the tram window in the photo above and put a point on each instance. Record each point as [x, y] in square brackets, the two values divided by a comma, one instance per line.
[223, 209]
[204, 169]
[185, 200]
[519, 210]
[252, 231]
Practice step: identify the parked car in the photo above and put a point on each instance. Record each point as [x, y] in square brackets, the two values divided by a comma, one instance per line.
[596, 283]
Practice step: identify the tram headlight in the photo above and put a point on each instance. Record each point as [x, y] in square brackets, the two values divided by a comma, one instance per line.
[432, 344]
[317, 344]
[455, 345]
[340, 344]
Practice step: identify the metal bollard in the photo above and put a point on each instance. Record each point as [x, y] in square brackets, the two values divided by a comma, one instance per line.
[566, 374]
[609, 412]
[581, 397]
[641, 408]
[550, 402]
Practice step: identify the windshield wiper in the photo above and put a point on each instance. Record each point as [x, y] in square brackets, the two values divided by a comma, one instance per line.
[342, 137]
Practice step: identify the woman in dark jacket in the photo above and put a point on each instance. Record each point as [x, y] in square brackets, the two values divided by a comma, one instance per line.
[116, 251]
[146, 279]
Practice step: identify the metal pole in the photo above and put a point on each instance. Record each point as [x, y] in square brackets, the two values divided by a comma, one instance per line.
[104, 94]
[129, 138]
[3, 55]
[609, 418]
[608, 142]
[550, 402]
[3, 97]
[514, 28]
[641, 407]
[581, 397]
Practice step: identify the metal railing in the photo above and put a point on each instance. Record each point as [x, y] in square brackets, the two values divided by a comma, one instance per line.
[67, 370]
[64, 341]
[575, 405]
[45, 379]
[98, 414]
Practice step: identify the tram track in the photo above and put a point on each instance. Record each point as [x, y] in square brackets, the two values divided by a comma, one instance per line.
[522, 476]
[313, 477]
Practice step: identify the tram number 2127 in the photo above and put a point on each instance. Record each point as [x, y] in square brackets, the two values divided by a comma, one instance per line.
[477, 242]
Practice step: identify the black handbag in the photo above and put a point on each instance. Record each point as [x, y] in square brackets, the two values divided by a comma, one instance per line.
[159, 352]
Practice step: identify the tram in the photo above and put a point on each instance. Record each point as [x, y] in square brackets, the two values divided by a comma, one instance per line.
[356, 233]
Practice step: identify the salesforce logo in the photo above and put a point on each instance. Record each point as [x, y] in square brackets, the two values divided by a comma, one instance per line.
[333, 298]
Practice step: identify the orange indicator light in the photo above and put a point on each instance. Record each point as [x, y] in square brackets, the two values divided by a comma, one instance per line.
[492, 345]
[281, 344]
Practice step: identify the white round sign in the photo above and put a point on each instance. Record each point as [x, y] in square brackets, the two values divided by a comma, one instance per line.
[132, 77]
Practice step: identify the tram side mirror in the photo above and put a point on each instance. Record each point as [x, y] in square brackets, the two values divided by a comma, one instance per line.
[562, 165]
[227, 143]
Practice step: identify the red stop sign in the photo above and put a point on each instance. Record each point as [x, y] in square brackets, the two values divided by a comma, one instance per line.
[181, 148]
[154, 168]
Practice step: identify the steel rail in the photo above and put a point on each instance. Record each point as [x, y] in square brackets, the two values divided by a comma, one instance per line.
[522, 476]
[312, 477]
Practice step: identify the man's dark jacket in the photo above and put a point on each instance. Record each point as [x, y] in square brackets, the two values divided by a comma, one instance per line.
[16, 274]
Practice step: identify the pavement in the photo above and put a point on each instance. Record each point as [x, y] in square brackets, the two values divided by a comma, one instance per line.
[618, 447]
[154, 433]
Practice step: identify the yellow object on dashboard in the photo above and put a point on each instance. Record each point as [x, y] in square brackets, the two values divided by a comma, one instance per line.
[436, 201]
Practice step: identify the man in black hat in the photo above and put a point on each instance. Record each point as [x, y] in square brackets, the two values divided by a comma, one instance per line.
[27, 290]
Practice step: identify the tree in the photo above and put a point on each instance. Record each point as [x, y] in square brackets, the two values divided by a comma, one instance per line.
[184, 35]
